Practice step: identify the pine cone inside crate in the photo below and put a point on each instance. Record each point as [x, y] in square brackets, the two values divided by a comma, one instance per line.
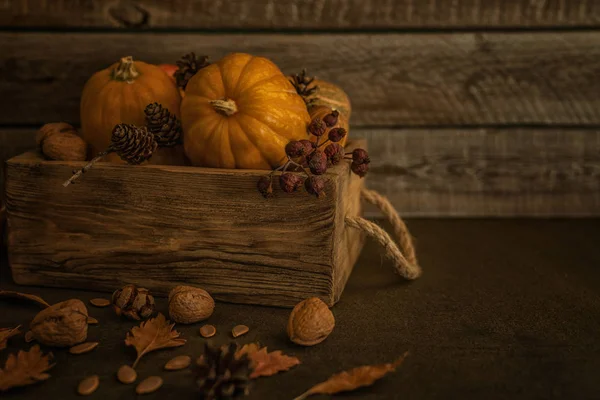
[163, 124]
[188, 65]
[132, 143]
[133, 302]
[222, 375]
[305, 86]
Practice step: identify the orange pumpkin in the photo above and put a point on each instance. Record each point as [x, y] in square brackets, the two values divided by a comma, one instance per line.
[240, 113]
[332, 96]
[119, 94]
[321, 111]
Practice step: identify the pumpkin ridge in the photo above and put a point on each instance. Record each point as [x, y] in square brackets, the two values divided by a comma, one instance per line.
[255, 149]
[101, 110]
[250, 112]
[236, 90]
[251, 138]
[261, 82]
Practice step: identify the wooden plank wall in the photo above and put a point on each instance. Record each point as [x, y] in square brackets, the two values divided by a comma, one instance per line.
[471, 107]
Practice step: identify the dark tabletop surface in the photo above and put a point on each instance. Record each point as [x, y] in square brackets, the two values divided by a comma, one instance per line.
[505, 309]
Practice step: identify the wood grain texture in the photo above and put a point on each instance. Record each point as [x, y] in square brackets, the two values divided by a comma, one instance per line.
[392, 79]
[298, 14]
[13, 142]
[479, 172]
[160, 226]
[504, 172]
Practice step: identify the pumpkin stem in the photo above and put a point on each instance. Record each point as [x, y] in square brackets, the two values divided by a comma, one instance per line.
[125, 70]
[227, 107]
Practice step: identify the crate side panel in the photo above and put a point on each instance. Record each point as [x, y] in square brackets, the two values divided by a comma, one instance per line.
[164, 226]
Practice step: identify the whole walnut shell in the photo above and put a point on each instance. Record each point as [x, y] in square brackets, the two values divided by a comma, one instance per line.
[188, 304]
[310, 322]
[60, 141]
[62, 325]
[133, 302]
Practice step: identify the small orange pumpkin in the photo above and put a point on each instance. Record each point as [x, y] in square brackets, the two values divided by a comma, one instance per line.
[240, 113]
[321, 111]
[119, 94]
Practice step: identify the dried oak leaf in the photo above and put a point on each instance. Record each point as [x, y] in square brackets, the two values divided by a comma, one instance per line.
[353, 379]
[153, 334]
[265, 363]
[6, 333]
[25, 368]
[23, 296]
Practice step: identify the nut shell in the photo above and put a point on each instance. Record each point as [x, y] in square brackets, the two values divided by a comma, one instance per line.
[188, 304]
[133, 302]
[61, 325]
[310, 322]
[60, 141]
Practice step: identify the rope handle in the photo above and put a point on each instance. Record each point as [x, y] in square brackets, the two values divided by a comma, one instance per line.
[402, 254]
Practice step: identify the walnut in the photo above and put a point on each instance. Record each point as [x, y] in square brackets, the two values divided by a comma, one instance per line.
[62, 325]
[133, 302]
[60, 141]
[310, 322]
[189, 304]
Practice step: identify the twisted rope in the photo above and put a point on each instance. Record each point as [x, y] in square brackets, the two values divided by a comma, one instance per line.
[402, 254]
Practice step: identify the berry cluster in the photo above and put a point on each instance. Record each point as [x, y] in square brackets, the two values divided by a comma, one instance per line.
[313, 160]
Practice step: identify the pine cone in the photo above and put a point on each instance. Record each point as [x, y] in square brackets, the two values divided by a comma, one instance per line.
[302, 83]
[223, 376]
[132, 143]
[188, 65]
[163, 124]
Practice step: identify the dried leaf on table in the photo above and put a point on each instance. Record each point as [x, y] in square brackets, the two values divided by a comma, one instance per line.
[265, 363]
[6, 333]
[154, 334]
[23, 296]
[353, 379]
[25, 368]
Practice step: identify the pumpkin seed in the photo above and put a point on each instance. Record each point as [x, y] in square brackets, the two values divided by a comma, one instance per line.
[83, 348]
[208, 331]
[29, 337]
[149, 385]
[100, 302]
[177, 363]
[239, 330]
[92, 321]
[88, 385]
[126, 374]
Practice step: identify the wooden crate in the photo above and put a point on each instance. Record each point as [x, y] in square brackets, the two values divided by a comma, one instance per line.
[160, 226]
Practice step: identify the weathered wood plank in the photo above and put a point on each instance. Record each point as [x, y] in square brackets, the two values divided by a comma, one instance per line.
[159, 226]
[392, 79]
[472, 172]
[298, 14]
[13, 142]
[498, 172]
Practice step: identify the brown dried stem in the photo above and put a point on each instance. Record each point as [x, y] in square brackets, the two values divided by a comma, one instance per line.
[78, 173]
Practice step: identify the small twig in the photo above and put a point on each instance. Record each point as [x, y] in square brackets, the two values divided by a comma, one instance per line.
[324, 143]
[299, 166]
[77, 174]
